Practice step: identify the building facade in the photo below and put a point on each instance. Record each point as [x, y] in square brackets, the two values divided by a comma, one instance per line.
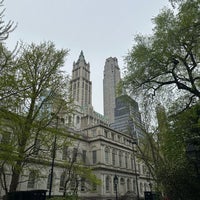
[107, 152]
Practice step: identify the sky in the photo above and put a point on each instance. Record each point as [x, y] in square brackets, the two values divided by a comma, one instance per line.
[101, 28]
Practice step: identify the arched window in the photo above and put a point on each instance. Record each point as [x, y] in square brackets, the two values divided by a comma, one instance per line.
[106, 155]
[107, 183]
[62, 181]
[31, 180]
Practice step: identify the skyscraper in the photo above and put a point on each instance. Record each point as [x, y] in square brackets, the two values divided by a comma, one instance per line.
[80, 83]
[110, 81]
[127, 116]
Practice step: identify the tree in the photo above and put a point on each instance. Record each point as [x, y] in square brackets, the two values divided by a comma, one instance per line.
[42, 89]
[5, 28]
[167, 64]
[6, 58]
[77, 172]
[164, 153]
[168, 60]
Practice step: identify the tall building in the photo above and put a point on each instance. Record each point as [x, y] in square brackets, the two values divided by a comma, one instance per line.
[110, 81]
[80, 83]
[127, 116]
[81, 88]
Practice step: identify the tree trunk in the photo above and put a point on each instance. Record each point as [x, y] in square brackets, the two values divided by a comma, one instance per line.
[15, 177]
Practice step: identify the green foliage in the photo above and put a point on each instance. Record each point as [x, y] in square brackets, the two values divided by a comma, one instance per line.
[32, 91]
[164, 152]
[169, 59]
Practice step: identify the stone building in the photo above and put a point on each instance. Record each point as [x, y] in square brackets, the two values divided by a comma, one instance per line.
[110, 153]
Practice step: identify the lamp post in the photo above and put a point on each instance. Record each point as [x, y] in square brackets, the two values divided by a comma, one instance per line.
[53, 159]
[136, 176]
[116, 183]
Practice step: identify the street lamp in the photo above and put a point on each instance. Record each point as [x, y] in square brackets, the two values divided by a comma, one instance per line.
[53, 159]
[116, 183]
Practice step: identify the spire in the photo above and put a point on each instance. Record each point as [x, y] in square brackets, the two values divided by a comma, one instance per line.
[81, 57]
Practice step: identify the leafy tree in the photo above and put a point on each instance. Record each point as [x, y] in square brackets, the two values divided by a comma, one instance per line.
[168, 60]
[164, 153]
[76, 170]
[42, 88]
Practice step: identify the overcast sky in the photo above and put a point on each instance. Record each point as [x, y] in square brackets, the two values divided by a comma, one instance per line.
[101, 28]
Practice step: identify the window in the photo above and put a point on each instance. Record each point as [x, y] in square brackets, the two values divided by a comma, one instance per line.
[122, 181]
[107, 183]
[82, 184]
[62, 120]
[128, 184]
[62, 181]
[143, 169]
[139, 168]
[31, 180]
[106, 133]
[77, 120]
[141, 188]
[94, 156]
[120, 158]
[106, 155]
[65, 153]
[126, 160]
[84, 156]
[113, 157]
[119, 138]
[75, 154]
[73, 183]
[145, 187]
[112, 136]
[94, 187]
[94, 133]
[134, 185]
[132, 165]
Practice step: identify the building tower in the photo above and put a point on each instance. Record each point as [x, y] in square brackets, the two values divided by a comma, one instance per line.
[110, 81]
[80, 83]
